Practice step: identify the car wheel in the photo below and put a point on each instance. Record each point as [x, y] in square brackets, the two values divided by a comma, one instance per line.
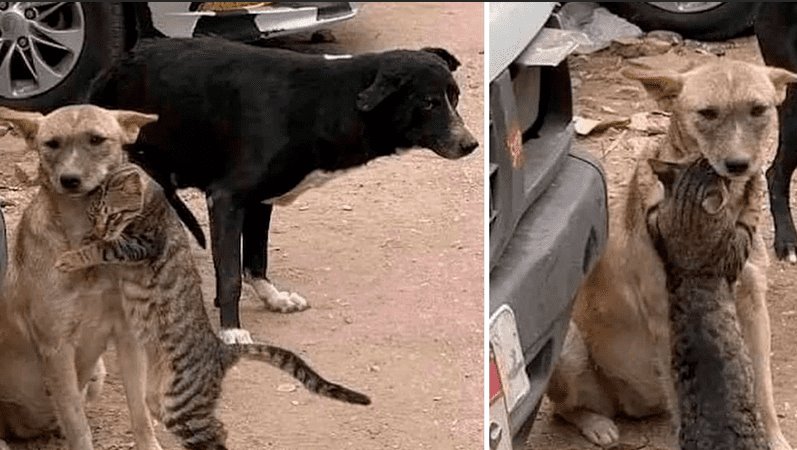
[707, 21]
[50, 52]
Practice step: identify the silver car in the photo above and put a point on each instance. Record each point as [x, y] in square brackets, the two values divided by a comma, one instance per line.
[50, 51]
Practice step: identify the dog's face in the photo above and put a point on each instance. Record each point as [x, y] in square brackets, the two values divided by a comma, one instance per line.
[77, 145]
[724, 110]
[415, 93]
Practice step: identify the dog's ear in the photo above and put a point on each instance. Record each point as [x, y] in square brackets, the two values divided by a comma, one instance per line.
[386, 83]
[24, 123]
[662, 85]
[131, 123]
[666, 172]
[780, 79]
[445, 55]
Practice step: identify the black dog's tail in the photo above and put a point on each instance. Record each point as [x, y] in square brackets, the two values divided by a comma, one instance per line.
[186, 216]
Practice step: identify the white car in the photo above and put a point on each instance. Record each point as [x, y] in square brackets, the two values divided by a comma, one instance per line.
[50, 51]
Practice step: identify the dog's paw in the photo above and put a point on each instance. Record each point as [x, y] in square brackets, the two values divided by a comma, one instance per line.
[235, 336]
[600, 430]
[69, 262]
[3, 445]
[276, 300]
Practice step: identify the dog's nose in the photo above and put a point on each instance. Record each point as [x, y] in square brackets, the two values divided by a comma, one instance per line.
[737, 166]
[70, 181]
[469, 145]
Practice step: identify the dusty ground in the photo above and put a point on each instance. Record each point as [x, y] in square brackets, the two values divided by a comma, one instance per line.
[390, 257]
[601, 93]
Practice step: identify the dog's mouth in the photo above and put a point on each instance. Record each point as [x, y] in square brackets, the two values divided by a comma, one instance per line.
[733, 172]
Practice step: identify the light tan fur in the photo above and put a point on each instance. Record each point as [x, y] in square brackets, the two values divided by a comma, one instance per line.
[55, 326]
[616, 357]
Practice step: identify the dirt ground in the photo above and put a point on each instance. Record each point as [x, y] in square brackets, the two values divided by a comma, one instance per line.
[602, 93]
[391, 259]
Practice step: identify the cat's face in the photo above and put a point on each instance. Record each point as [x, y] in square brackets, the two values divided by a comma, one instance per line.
[120, 200]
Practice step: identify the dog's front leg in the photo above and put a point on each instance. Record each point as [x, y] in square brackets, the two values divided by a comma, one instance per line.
[257, 220]
[133, 366]
[754, 321]
[226, 215]
[60, 379]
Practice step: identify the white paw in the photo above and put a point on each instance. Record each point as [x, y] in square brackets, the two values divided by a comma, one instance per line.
[3, 445]
[276, 300]
[235, 336]
[601, 431]
[792, 259]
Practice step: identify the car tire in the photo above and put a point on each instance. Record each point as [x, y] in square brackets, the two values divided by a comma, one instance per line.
[104, 42]
[725, 21]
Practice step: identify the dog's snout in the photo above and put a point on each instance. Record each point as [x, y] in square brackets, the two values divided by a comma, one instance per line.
[70, 181]
[469, 144]
[737, 166]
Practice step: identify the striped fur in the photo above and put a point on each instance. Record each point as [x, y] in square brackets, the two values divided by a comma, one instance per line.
[704, 249]
[137, 230]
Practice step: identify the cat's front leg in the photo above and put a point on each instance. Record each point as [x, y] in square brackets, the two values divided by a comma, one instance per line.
[81, 258]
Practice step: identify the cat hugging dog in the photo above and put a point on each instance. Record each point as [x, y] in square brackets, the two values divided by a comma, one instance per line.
[704, 249]
[616, 357]
[99, 257]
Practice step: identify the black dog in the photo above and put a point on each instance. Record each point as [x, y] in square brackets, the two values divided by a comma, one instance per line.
[776, 29]
[253, 127]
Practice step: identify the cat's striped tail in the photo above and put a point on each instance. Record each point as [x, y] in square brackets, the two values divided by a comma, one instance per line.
[291, 363]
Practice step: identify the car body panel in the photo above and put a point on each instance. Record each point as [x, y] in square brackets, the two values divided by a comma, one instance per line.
[548, 203]
[512, 28]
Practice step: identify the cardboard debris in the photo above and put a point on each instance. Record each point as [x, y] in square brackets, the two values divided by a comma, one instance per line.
[638, 47]
[585, 127]
[649, 122]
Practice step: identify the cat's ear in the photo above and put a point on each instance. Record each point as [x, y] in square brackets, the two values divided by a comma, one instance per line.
[716, 199]
[130, 183]
[666, 172]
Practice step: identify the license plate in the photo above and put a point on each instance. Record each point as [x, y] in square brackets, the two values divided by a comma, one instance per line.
[505, 342]
[499, 436]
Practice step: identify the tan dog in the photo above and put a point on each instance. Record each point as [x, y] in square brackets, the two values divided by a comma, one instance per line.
[55, 326]
[616, 358]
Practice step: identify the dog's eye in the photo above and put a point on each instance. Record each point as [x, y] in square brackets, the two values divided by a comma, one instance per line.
[52, 144]
[96, 140]
[708, 113]
[758, 110]
[430, 103]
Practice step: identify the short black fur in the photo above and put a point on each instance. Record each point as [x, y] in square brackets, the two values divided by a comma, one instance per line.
[247, 124]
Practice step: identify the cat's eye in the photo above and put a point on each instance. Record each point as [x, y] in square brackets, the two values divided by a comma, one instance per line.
[95, 139]
[52, 144]
[709, 113]
[758, 110]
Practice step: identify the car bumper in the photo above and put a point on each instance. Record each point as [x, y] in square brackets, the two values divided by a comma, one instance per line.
[553, 248]
[174, 19]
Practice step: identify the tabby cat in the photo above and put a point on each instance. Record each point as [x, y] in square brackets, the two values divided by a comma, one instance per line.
[136, 229]
[704, 248]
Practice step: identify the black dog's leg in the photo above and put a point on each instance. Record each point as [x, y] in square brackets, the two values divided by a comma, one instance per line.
[777, 39]
[779, 180]
[226, 225]
[257, 220]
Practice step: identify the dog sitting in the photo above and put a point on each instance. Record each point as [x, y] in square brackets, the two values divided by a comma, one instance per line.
[55, 326]
[616, 357]
[255, 127]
